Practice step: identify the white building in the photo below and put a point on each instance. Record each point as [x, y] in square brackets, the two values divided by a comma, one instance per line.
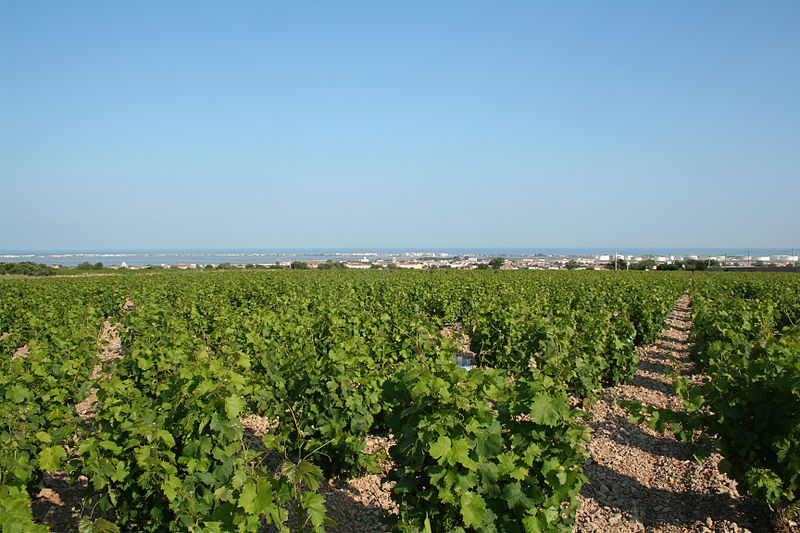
[358, 266]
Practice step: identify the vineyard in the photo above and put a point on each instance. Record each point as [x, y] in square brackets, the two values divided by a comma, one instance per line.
[482, 378]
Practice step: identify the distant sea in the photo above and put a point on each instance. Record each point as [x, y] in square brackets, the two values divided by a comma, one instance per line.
[279, 255]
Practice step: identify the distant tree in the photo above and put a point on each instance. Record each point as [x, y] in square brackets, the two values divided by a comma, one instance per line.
[696, 264]
[497, 262]
[375, 266]
[482, 266]
[392, 266]
[27, 268]
[670, 266]
[621, 264]
[332, 265]
[571, 264]
[299, 265]
[86, 265]
[644, 265]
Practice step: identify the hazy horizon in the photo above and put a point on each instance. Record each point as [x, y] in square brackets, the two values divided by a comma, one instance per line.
[679, 250]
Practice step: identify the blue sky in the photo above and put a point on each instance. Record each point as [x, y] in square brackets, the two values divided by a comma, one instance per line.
[341, 124]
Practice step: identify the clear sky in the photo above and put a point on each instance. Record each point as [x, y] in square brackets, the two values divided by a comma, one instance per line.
[387, 123]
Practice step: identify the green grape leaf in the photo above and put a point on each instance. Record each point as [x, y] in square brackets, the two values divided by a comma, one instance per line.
[234, 406]
[50, 458]
[440, 448]
[473, 508]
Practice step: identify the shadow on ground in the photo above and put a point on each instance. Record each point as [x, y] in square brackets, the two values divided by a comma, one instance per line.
[622, 431]
[657, 507]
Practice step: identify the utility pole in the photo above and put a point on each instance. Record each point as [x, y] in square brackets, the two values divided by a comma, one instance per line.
[615, 259]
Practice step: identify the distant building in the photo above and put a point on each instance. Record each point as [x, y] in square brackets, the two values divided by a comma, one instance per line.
[358, 266]
[413, 266]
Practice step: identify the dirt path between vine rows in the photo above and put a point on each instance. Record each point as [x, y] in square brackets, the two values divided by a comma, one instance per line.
[58, 501]
[644, 481]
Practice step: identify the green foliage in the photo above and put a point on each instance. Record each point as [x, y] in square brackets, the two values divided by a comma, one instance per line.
[309, 507]
[101, 525]
[478, 450]
[332, 265]
[618, 264]
[301, 473]
[167, 453]
[579, 334]
[314, 355]
[15, 513]
[89, 266]
[38, 389]
[497, 262]
[646, 264]
[698, 264]
[26, 268]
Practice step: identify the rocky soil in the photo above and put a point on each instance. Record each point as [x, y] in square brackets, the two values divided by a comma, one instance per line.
[357, 504]
[112, 350]
[641, 480]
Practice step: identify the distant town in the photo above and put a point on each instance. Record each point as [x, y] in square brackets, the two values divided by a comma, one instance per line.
[434, 261]
[405, 260]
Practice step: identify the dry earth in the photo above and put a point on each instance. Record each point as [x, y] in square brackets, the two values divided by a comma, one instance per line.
[112, 350]
[639, 480]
